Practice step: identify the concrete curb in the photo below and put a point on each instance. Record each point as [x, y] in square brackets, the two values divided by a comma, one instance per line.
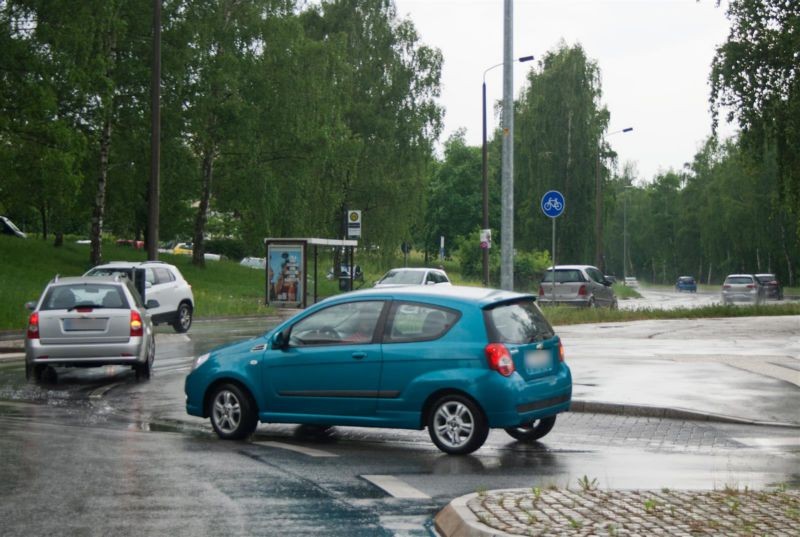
[458, 520]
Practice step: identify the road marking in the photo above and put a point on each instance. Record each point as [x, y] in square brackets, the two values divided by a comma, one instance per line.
[769, 443]
[396, 487]
[100, 392]
[311, 452]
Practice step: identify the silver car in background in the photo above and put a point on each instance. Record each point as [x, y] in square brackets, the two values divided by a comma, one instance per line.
[413, 276]
[89, 322]
[742, 288]
[576, 285]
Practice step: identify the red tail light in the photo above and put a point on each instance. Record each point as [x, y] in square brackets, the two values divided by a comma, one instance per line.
[541, 291]
[726, 286]
[582, 291]
[137, 328]
[751, 286]
[499, 359]
[33, 326]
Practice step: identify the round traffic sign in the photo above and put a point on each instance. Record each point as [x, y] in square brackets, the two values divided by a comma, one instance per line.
[553, 203]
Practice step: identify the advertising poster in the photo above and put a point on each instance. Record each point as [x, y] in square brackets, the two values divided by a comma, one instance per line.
[285, 273]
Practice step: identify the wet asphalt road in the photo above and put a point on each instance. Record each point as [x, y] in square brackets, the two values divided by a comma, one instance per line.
[100, 454]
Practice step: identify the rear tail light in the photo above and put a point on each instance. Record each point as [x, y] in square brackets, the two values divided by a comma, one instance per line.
[33, 326]
[499, 359]
[726, 286]
[541, 291]
[582, 291]
[751, 286]
[560, 352]
[137, 329]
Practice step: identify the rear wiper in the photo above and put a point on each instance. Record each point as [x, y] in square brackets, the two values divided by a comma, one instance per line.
[92, 306]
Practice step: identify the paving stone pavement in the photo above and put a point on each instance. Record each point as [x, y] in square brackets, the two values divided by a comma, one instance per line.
[590, 511]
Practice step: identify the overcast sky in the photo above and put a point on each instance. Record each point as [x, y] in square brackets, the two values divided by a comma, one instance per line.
[654, 57]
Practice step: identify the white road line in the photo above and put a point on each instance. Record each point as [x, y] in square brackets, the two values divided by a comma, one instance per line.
[396, 487]
[299, 449]
[769, 443]
[100, 392]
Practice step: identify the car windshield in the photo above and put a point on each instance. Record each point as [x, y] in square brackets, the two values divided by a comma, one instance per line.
[66, 297]
[687, 280]
[739, 280]
[110, 271]
[517, 323]
[404, 277]
[564, 275]
[766, 278]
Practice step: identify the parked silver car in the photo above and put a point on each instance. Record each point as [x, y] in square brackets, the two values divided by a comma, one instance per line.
[413, 276]
[89, 322]
[742, 288]
[576, 285]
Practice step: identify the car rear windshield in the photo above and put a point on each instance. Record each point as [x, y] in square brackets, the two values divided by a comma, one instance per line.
[111, 271]
[739, 280]
[564, 275]
[517, 323]
[65, 297]
[406, 277]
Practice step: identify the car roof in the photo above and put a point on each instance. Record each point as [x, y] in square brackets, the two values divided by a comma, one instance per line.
[765, 275]
[89, 280]
[481, 296]
[130, 264]
[413, 269]
[739, 276]
[572, 267]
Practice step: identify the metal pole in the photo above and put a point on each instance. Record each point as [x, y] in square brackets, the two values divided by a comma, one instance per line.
[553, 287]
[507, 217]
[625, 236]
[485, 191]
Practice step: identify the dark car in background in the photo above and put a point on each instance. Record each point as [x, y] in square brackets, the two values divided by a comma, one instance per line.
[686, 283]
[7, 227]
[772, 287]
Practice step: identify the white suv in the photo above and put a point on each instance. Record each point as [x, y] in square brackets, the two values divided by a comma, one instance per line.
[164, 283]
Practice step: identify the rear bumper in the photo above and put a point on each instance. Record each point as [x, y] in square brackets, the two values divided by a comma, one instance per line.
[525, 401]
[86, 355]
[577, 302]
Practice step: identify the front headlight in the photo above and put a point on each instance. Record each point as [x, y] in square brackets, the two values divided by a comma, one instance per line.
[200, 360]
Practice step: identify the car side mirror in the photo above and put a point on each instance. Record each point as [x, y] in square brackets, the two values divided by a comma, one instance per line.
[608, 283]
[30, 306]
[152, 303]
[148, 285]
[280, 340]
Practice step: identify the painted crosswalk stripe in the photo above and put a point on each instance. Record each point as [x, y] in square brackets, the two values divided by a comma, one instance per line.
[396, 487]
[311, 452]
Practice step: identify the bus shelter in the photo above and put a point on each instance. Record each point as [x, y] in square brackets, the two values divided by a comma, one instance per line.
[287, 268]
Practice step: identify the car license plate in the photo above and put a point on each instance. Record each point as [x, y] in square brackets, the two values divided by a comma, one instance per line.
[538, 359]
[76, 325]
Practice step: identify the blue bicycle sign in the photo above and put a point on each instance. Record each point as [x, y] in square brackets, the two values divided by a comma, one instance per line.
[553, 203]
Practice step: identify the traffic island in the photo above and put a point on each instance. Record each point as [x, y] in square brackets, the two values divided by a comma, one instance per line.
[591, 511]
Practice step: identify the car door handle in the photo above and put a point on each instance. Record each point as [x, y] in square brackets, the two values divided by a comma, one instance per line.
[359, 355]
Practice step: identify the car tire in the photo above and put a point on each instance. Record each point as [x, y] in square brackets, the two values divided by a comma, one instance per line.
[614, 305]
[183, 318]
[145, 371]
[532, 432]
[232, 412]
[457, 425]
[591, 304]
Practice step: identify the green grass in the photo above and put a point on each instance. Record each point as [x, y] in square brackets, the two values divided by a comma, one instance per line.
[224, 288]
[564, 315]
[26, 266]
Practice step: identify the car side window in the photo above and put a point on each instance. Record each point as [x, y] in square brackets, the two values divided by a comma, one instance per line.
[341, 324]
[150, 276]
[595, 275]
[410, 322]
[162, 275]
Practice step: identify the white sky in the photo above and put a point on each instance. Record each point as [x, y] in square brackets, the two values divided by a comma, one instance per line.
[654, 57]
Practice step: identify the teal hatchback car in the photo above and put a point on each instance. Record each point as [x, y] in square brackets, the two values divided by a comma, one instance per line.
[457, 360]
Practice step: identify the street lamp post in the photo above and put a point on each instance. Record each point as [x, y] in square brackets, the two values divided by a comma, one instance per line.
[599, 256]
[485, 171]
[625, 233]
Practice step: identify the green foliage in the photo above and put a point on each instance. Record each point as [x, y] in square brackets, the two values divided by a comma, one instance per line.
[233, 249]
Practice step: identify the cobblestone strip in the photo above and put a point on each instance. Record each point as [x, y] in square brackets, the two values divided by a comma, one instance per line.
[729, 512]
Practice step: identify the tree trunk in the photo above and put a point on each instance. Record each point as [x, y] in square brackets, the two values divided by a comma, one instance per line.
[43, 215]
[99, 210]
[198, 249]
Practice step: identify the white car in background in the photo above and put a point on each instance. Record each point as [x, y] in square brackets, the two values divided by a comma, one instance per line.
[163, 283]
[631, 281]
[413, 276]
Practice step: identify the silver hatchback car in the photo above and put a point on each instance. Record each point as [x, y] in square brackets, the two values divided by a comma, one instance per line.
[89, 322]
[576, 285]
[742, 288]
